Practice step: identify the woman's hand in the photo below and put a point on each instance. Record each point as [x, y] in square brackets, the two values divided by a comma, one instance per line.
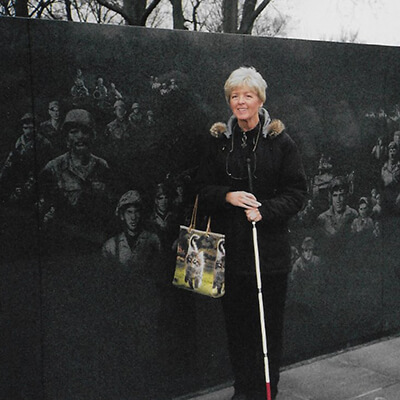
[253, 215]
[242, 199]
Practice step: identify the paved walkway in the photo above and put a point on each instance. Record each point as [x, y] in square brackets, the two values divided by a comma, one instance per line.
[367, 372]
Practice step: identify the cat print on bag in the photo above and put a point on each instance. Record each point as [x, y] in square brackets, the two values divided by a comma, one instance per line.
[219, 269]
[194, 262]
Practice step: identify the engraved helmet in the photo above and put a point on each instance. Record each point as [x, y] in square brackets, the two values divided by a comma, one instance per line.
[132, 197]
[79, 117]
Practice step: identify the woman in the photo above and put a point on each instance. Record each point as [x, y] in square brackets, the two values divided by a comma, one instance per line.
[252, 151]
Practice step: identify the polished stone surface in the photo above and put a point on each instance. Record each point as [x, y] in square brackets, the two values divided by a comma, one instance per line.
[368, 372]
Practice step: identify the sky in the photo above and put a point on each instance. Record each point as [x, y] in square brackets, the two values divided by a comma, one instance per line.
[369, 21]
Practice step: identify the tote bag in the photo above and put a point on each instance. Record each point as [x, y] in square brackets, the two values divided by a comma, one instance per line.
[200, 259]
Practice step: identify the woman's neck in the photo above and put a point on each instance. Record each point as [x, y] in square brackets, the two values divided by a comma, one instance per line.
[248, 125]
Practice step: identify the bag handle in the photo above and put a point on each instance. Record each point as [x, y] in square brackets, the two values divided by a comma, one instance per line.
[194, 217]
[194, 214]
[208, 226]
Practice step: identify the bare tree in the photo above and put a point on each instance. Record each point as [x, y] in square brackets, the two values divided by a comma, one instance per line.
[137, 12]
[230, 16]
[257, 17]
[134, 12]
[195, 6]
[198, 15]
[177, 14]
[21, 8]
[348, 37]
[271, 23]
[6, 8]
[249, 13]
[203, 15]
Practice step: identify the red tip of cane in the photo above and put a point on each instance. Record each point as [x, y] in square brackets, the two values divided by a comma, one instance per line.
[268, 391]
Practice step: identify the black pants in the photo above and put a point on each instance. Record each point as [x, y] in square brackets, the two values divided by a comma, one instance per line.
[241, 310]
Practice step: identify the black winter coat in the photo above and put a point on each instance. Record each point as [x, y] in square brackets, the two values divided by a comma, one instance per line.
[278, 182]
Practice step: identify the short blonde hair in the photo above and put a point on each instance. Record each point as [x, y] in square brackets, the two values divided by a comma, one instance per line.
[246, 76]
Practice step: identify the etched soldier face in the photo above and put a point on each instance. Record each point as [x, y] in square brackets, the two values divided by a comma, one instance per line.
[307, 253]
[28, 128]
[179, 192]
[131, 217]
[79, 140]
[54, 113]
[363, 210]
[120, 112]
[325, 165]
[338, 200]
[392, 153]
[29, 182]
[162, 203]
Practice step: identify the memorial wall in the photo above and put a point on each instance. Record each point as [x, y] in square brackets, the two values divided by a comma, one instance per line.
[88, 311]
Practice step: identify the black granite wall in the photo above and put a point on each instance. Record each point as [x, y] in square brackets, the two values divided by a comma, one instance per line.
[82, 321]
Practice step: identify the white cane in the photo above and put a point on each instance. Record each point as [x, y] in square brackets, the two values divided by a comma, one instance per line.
[260, 295]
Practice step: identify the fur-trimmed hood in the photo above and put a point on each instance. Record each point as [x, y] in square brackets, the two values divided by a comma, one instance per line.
[270, 128]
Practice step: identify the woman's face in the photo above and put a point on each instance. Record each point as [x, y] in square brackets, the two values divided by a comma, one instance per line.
[245, 103]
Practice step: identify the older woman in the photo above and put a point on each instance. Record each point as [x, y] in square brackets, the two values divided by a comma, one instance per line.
[252, 152]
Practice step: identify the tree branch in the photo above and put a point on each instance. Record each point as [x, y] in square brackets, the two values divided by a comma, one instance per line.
[247, 24]
[177, 14]
[229, 16]
[114, 7]
[68, 11]
[6, 7]
[41, 6]
[194, 14]
[149, 10]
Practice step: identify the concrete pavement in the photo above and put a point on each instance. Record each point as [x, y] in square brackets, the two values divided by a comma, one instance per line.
[367, 372]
